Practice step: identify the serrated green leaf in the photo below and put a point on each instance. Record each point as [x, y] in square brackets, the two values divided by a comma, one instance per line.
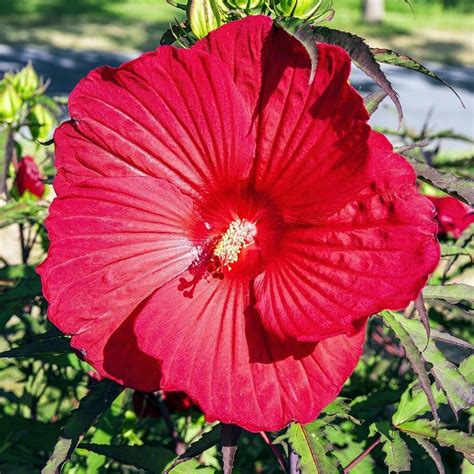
[151, 458]
[454, 293]
[466, 368]
[413, 403]
[459, 440]
[460, 188]
[413, 354]
[456, 388]
[50, 342]
[433, 453]
[361, 56]
[91, 407]
[310, 444]
[391, 57]
[397, 454]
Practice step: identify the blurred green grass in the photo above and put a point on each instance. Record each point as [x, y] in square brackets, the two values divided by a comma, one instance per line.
[433, 33]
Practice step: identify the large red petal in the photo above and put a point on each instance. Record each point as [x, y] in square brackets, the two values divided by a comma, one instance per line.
[311, 155]
[374, 254]
[114, 242]
[213, 347]
[173, 114]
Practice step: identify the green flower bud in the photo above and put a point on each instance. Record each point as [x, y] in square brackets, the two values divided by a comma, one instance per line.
[244, 4]
[299, 8]
[40, 121]
[204, 16]
[10, 102]
[26, 81]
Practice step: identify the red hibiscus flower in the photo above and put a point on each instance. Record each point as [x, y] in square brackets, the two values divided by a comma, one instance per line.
[28, 177]
[225, 229]
[145, 406]
[452, 215]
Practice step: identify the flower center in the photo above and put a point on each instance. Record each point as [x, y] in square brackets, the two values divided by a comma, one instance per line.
[239, 234]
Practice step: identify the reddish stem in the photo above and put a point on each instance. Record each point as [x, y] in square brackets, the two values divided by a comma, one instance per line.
[276, 452]
[361, 456]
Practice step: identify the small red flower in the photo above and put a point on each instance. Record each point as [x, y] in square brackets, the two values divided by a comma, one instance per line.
[452, 215]
[28, 177]
[224, 229]
[145, 406]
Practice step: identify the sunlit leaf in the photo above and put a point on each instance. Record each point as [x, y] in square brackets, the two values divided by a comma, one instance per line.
[397, 454]
[460, 188]
[454, 293]
[391, 57]
[456, 388]
[310, 444]
[459, 440]
[414, 356]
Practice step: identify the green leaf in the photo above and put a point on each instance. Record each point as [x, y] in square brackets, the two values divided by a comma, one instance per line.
[454, 293]
[205, 442]
[397, 454]
[151, 458]
[413, 403]
[373, 100]
[433, 453]
[460, 188]
[456, 388]
[91, 407]
[50, 342]
[459, 440]
[310, 444]
[21, 212]
[192, 466]
[361, 56]
[391, 57]
[413, 354]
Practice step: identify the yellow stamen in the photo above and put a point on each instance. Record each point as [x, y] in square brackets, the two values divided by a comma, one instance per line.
[239, 235]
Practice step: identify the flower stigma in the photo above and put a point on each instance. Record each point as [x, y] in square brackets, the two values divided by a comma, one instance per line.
[239, 234]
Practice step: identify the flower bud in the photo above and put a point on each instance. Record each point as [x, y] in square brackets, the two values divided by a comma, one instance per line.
[299, 8]
[244, 4]
[10, 102]
[204, 16]
[26, 81]
[40, 121]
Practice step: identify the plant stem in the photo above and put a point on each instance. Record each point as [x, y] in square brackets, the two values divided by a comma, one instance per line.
[294, 458]
[230, 435]
[361, 456]
[10, 157]
[276, 451]
[178, 444]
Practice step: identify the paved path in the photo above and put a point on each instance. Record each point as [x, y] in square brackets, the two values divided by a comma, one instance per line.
[418, 94]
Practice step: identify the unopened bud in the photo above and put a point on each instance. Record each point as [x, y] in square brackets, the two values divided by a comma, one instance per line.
[26, 81]
[245, 4]
[40, 121]
[299, 8]
[10, 102]
[204, 16]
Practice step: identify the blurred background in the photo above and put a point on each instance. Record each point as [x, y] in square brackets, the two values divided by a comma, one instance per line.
[65, 39]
